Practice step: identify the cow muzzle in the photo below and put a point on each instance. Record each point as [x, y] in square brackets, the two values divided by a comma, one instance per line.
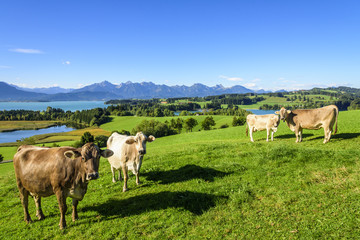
[92, 176]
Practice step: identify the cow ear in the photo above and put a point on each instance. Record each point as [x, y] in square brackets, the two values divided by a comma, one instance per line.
[288, 111]
[130, 140]
[277, 112]
[107, 153]
[72, 154]
[150, 138]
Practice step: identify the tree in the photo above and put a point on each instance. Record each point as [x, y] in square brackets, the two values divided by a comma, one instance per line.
[238, 121]
[184, 113]
[1, 158]
[190, 123]
[176, 124]
[101, 140]
[86, 138]
[208, 123]
[355, 104]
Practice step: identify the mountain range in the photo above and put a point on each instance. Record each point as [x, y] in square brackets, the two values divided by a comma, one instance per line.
[106, 91]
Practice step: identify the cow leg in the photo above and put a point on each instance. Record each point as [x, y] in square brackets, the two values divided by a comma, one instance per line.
[113, 174]
[126, 177]
[138, 172]
[300, 134]
[251, 134]
[272, 135]
[60, 195]
[24, 196]
[39, 212]
[327, 135]
[74, 214]
[297, 136]
[120, 178]
[267, 134]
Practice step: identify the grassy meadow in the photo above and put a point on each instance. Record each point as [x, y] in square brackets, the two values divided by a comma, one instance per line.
[213, 185]
[25, 125]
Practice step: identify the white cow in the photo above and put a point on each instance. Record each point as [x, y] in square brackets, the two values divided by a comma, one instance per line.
[268, 122]
[129, 152]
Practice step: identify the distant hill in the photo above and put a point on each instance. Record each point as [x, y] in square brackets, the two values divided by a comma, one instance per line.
[105, 90]
[10, 93]
[49, 90]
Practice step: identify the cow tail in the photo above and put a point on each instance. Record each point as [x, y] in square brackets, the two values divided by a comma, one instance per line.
[336, 119]
[247, 130]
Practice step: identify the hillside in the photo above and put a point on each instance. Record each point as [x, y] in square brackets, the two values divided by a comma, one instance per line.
[217, 185]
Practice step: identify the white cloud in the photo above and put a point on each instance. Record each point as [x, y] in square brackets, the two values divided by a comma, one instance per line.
[80, 85]
[66, 62]
[26, 50]
[250, 85]
[234, 79]
[24, 85]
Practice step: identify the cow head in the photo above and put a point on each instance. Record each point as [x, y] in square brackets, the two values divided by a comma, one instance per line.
[140, 142]
[90, 158]
[283, 113]
[276, 122]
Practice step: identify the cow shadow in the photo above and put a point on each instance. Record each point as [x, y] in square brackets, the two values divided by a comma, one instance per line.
[183, 174]
[345, 135]
[287, 136]
[340, 136]
[196, 203]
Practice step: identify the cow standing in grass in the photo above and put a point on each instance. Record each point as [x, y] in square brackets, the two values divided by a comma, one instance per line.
[314, 119]
[129, 152]
[63, 171]
[269, 122]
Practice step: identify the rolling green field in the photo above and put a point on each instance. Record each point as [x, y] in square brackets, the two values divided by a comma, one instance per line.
[214, 185]
[128, 123]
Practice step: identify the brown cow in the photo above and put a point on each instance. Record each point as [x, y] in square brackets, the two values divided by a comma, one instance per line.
[314, 119]
[63, 171]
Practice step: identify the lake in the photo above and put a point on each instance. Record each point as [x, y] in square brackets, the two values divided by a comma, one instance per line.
[6, 137]
[261, 112]
[41, 106]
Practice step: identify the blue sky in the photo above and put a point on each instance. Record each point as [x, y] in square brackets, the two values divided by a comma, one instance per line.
[258, 44]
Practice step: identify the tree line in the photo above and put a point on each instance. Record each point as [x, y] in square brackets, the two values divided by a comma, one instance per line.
[78, 119]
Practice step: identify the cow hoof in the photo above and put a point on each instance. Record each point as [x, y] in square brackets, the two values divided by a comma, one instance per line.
[62, 226]
[139, 183]
[28, 221]
[125, 189]
[114, 181]
[40, 216]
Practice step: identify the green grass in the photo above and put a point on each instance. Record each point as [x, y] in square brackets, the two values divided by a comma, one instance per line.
[215, 185]
[129, 122]
[24, 125]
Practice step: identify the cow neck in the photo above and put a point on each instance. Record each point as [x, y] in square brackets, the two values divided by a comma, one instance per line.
[80, 174]
[290, 119]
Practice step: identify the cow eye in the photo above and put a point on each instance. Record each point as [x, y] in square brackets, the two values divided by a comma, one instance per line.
[83, 159]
